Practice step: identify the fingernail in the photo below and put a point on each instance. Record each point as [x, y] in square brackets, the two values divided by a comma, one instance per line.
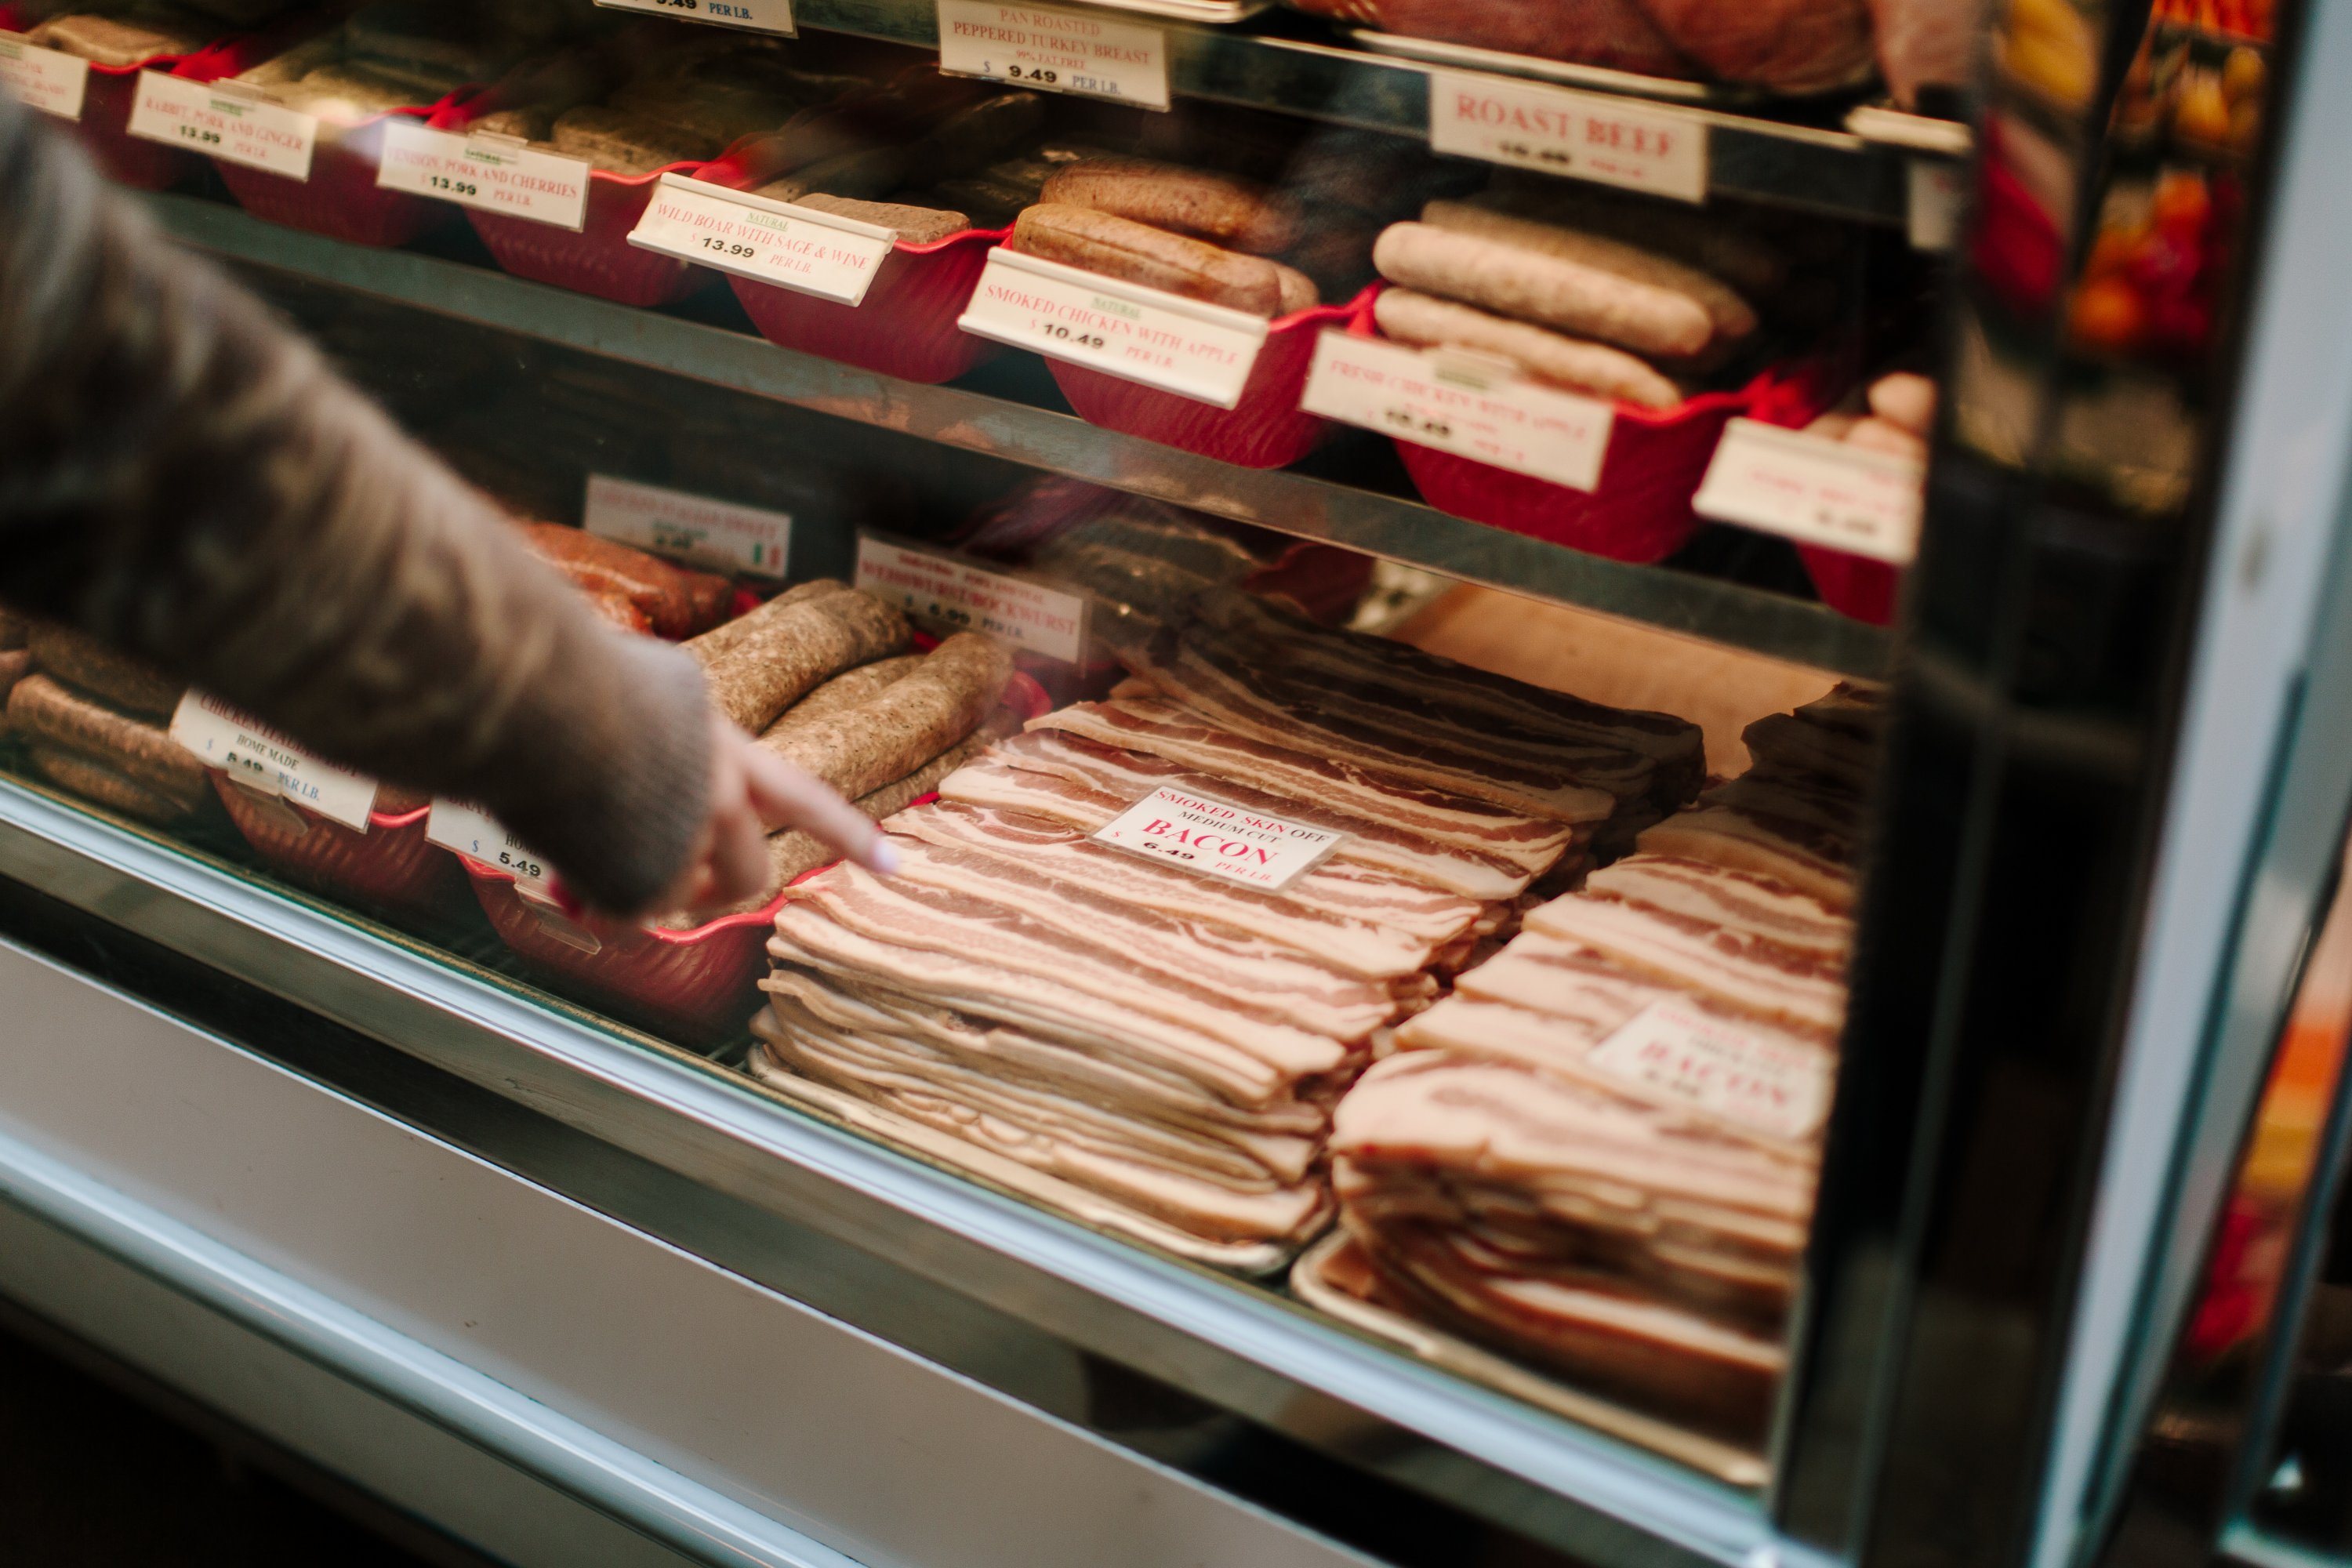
[883, 859]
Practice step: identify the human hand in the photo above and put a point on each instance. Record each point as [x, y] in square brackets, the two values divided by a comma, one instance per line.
[752, 791]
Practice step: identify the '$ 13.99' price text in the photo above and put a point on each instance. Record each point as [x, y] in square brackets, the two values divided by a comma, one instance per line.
[727, 246]
[454, 187]
[198, 133]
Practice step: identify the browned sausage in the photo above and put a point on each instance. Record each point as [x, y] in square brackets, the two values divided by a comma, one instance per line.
[710, 594]
[82, 660]
[659, 589]
[1237, 214]
[93, 780]
[911, 720]
[846, 690]
[41, 707]
[721, 638]
[1121, 248]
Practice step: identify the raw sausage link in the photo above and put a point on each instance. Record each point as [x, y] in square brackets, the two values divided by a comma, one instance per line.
[846, 690]
[84, 661]
[1549, 289]
[1225, 211]
[1120, 248]
[1554, 358]
[659, 589]
[1733, 316]
[721, 638]
[914, 718]
[804, 645]
[40, 706]
[93, 780]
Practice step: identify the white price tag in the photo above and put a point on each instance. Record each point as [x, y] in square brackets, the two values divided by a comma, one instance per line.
[1207, 835]
[1054, 51]
[1595, 136]
[1815, 491]
[1472, 407]
[47, 80]
[1779, 1087]
[1934, 211]
[263, 759]
[719, 534]
[798, 248]
[756, 15]
[205, 118]
[1184, 346]
[945, 591]
[473, 832]
[496, 173]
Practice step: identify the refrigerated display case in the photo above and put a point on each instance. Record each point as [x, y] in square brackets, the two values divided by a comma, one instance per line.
[1781, 639]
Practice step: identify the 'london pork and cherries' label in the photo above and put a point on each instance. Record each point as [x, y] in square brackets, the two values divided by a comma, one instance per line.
[1597, 136]
[495, 174]
[47, 80]
[1215, 838]
[1188, 347]
[266, 762]
[950, 594]
[1680, 1054]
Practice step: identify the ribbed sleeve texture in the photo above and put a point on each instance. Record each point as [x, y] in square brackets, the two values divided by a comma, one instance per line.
[183, 477]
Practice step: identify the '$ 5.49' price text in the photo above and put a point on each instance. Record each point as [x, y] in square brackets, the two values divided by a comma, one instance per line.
[522, 865]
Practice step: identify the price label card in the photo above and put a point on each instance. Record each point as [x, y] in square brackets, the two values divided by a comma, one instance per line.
[945, 591]
[1472, 407]
[208, 118]
[723, 535]
[1207, 835]
[1184, 346]
[1933, 212]
[1815, 491]
[755, 16]
[1778, 1087]
[473, 833]
[798, 248]
[1594, 136]
[496, 173]
[263, 759]
[47, 80]
[1054, 51]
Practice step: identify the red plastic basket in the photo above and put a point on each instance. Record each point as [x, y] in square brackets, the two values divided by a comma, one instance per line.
[1853, 585]
[391, 863]
[341, 199]
[105, 130]
[905, 326]
[599, 258]
[1266, 430]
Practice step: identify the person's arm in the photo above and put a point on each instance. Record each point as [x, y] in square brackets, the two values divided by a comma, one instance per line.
[183, 477]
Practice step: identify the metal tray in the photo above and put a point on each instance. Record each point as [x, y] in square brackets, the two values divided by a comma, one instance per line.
[1309, 1283]
[1564, 73]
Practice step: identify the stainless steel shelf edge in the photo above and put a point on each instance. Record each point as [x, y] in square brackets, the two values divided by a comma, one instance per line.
[575, 1458]
[1254, 1353]
[1826, 170]
[1386, 526]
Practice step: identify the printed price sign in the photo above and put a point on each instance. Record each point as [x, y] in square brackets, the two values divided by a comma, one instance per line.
[212, 119]
[756, 15]
[1779, 1087]
[496, 173]
[47, 80]
[1472, 407]
[1209, 836]
[723, 535]
[1184, 346]
[1933, 211]
[265, 761]
[1054, 51]
[945, 591]
[1815, 491]
[798, 248]
[473, 833]
[1595, 136]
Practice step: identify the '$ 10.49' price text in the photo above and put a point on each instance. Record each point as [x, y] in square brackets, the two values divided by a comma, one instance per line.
[1061, 334]
[1409, 425]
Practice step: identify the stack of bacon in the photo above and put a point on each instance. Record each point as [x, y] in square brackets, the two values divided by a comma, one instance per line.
[1173, 1043]
[1600, 1152]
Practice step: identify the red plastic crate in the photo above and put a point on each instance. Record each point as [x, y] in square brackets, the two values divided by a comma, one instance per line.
[1266, 430]
[1853, 585]
[341, 199]
[391, 863]
[905, 326]
[599, 258]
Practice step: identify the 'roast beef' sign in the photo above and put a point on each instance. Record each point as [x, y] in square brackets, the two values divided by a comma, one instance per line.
[1592, 136]
[1202, 834]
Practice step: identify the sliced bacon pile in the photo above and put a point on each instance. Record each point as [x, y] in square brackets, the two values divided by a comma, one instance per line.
[1600, 1151]
[1175, 1042]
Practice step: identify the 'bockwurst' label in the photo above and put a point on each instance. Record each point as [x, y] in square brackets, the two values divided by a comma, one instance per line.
[47, 80]
[207, 119]
[1054, 51]
[265, 761]
[1596, 136]
[1777, 1088]
[1185, 346]
[795, 247]
[953, 595]
[1205, 835]
[1472, 408]
[496, 173]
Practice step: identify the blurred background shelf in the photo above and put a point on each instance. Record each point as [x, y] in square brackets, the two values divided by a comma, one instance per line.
[1390, 526]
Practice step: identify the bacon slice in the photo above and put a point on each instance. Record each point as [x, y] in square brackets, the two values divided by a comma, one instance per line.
[1739, 900]
[1770, 830]
[1354, 918]
[1488, 840]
